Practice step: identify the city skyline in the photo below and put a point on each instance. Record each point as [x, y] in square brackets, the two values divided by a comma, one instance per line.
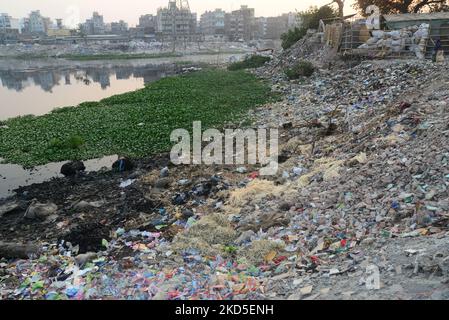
[77, 11]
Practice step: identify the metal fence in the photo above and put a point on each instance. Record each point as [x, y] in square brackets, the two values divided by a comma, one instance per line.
[356, 34]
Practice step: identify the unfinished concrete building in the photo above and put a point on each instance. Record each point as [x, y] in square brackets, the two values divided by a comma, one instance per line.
[177, 22]
[120, 27]
[241, 24]
[212, 23]
[9, 28]
[94, 25]
[147, 24]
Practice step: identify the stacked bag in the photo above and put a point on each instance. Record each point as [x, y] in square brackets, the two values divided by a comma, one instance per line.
[413, 39]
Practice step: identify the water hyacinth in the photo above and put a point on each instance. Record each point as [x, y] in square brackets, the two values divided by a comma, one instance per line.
[113, 125]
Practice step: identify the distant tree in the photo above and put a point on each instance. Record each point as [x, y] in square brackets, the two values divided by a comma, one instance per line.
[403, 6]
[310, 19]
[439, 7]
[292, 36]
[82, 33]
[341, 7]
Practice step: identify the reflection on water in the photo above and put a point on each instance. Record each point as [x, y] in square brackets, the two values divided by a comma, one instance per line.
[41, 90]
[38, 91]
[14, 176]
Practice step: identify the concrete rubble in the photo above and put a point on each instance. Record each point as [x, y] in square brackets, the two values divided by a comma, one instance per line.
[309, 48]
[358, 210]
[111, 48]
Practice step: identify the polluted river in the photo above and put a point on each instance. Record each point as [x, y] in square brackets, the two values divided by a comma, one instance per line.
[38, 87]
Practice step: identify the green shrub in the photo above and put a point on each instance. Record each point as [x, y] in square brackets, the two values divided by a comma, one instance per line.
[214, 97]
[310, 19]
[292, 36]
[301, 69]
[74, 142]
[56, 143]
[252, 62]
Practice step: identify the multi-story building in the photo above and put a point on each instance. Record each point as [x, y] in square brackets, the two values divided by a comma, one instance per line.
[276, 26]
[293, 20]
[120, 27]
[5, 22]
[37, 24]
[107, 28]
[240, 25]
[147, 24]
[94, 25]
[213, 22]
[176, 23]
[15, 24]
[261, 28]
[9, 28]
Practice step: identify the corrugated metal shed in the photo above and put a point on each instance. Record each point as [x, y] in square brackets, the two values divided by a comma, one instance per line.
[416, 17]
[399, 21]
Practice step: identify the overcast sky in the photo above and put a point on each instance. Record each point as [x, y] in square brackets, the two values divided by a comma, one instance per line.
[130, 10]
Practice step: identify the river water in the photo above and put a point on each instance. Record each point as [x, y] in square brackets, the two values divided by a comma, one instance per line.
[13, 176]
[38, 87]
[39, 91]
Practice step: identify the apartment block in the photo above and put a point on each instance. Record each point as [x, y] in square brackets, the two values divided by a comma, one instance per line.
[213, 22]
[119, 28]
[176, 23]
[240, 25]
[147, 24]
[94, 25]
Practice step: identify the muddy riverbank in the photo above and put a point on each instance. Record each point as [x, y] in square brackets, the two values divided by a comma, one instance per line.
[32, 64]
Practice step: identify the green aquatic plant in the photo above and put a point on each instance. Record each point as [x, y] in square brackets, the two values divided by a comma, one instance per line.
[134, 124]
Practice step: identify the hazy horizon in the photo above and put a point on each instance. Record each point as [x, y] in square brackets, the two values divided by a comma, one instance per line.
[76, 11]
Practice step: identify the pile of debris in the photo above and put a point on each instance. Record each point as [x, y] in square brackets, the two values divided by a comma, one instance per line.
[309, 48]
[359, 208]
[368, 165]
[88, 48]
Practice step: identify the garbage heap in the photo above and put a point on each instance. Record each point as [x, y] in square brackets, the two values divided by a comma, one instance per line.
[365, 171]
[311, 47]
[362, 192]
